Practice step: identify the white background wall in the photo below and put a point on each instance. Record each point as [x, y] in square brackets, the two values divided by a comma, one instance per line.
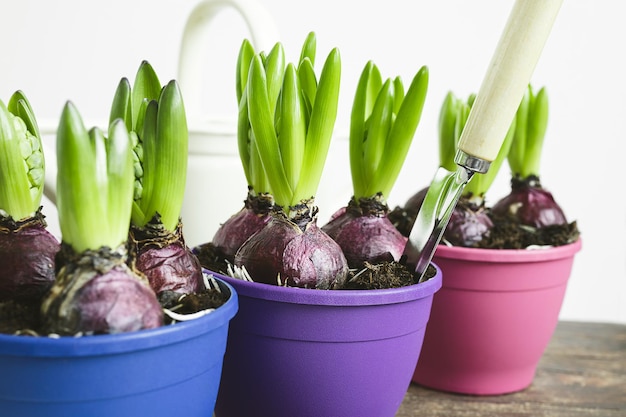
[78, 50]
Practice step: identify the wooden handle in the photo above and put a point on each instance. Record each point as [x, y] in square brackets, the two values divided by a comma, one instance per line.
[507, 77]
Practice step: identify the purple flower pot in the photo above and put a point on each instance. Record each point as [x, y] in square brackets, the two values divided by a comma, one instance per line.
[493, 318]
[169, 371]
[296, 352]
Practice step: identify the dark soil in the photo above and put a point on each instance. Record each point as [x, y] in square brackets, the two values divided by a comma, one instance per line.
[505, 234]
[384, 275]
[20, 318]
[23, 318]
[192, 303]
[211, 259]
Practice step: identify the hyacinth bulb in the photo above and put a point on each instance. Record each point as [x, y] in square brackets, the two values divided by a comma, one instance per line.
[97, 293]
[241, 225]
[530, 204]
[27, 253]
[283, 253]
[165, 259]
[365, 234]
[468, 225]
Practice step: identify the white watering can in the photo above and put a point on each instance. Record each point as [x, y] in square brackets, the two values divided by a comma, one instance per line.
[216, 185]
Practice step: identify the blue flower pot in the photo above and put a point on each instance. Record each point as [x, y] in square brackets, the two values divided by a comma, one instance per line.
[170, 371]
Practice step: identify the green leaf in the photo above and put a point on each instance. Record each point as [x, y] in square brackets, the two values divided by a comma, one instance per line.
[170, 166]
[244, 142]
[292, 126]
[20, 106]
[309, 48]
[398, 94]
[15, 197]
[141, 216]
[100, 180]
[274, 72]
[308, 83]
[121, 107]
[248, 154]
[246, 53]
[380, 122]
[262, 123]
[375, 83]
[82, 216]
[260, 183]
[250, 161]
[447, 131]
[120, 180]
[146, 86]
[401, 134]
[320, 129]
[531, 124]
[360, 113]
[537, 127]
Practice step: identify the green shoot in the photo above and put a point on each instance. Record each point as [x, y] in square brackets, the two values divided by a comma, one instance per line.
[94, 183]
[22, 163]
[250, 160]
[292, 120]
[382, 126]
[156, 117]
[532, 121]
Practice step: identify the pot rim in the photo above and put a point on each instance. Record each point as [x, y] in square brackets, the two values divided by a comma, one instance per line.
[311, 296]
[96, 345]
[508, 255]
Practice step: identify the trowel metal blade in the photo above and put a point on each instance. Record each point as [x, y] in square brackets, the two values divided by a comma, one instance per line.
[443, 194]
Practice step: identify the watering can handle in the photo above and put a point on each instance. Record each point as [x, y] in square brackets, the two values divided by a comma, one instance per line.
[263, 34]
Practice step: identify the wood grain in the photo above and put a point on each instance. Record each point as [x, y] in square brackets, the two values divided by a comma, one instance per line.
[582, 373]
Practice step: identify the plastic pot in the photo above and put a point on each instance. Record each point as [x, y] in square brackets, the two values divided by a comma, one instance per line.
[332, 353]
[170, 371]
[493, 318]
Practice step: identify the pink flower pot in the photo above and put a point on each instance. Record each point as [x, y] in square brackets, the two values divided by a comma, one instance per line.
[493, 317]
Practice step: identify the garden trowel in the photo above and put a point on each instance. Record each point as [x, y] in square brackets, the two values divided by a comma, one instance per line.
[497, 101]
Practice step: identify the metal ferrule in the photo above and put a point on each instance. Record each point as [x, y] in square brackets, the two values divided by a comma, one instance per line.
[472, 163]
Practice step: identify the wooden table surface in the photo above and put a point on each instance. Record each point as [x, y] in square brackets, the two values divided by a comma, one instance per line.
[582, 373]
